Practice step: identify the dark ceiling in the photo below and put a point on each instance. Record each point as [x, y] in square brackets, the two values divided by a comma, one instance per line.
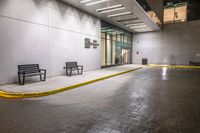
[180, 1]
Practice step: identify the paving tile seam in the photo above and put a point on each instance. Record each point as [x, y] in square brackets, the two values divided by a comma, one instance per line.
[171, 66]
[12, 95]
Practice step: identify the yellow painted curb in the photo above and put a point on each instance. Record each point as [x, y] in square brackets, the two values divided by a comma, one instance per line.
[13, 95]
[171, 66]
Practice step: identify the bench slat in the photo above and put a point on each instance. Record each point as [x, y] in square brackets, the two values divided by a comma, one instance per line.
[29, 68]
[72, 64]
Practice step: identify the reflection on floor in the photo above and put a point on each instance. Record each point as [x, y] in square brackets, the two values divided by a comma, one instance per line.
[150, 100]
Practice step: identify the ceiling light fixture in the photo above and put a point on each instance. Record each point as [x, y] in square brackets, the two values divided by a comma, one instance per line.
[128, 19]
[96, 2]
[84, 1]
[134, 24]
[119, 14]
[143, 30]
[111, 10]
[138, 27]
[110, 7]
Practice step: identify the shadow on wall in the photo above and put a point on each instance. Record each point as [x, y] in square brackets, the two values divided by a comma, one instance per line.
[60, 5]
[39, 3]
[63, 7]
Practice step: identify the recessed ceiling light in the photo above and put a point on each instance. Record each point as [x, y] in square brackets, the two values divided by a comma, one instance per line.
[110, 7]
[143, 30]
[84, 1]
[134, 24]
[96, 2]
[140, 26]
[127, 19]
[111, 10]
[119, 14]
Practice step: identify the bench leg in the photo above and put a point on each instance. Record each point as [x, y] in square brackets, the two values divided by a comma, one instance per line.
[69, 73]
[44, 77]
[40, 77]
[23, 79]
[19, 79]
[78, 71]
[66, 72]
[81, 71]
[21, 82]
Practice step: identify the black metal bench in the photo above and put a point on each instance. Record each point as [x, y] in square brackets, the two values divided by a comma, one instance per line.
[73, 66]
[191, 63]
[30, 70]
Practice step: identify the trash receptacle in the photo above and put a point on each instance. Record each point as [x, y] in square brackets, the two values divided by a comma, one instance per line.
[144, 61]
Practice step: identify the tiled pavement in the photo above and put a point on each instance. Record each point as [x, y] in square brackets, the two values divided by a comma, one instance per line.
[150, 100]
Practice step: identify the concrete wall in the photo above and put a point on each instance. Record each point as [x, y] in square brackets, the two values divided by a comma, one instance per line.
[47, 32]
[176, 44]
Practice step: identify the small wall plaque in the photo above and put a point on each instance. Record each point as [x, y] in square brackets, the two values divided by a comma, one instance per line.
[94, 44]
[88, 43]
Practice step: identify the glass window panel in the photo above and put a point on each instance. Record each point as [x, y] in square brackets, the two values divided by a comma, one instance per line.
[129, 40]
[181, 13]
[103, 35]
[108, 51]
[113, 52]
[103, 52]
[125, 39]
[169, 15]
[118, 38]
[108, 36]
[114, 38]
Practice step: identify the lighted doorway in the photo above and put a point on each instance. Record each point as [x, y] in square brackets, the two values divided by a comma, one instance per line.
[125, 56]
[116, 46]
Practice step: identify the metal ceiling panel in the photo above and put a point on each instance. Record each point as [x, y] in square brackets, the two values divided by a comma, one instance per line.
[137, 15]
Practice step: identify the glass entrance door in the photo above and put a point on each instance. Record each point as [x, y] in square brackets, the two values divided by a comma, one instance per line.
[116, 46]
[125, 56]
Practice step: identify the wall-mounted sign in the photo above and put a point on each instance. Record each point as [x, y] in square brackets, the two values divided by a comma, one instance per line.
[89, 43]
[94, 44]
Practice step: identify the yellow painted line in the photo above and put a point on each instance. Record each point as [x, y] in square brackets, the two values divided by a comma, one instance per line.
[13, 95]
[171, 66]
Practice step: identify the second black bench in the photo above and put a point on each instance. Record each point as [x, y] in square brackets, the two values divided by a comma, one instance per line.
[73, 66]
[30, 70]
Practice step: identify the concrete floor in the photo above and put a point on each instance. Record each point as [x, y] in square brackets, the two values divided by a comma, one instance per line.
[150, 100]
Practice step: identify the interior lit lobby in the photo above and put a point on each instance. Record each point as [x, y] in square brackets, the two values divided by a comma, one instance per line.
[99, 66]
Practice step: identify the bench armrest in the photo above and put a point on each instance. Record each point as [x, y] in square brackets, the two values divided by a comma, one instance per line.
[80, 66]
[43, 70]
[68, 67]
